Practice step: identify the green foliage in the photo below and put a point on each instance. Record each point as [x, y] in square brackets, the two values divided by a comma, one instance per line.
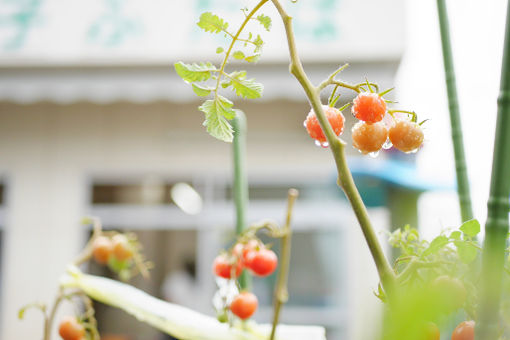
[238, 55]
[258, 42]
[217, 111]
[265, 21]
[470, 228]
[436, 245]
[252, 58]
[246, 88]
[201, 91]
[194, 72]
[426, 273]
[212, 23]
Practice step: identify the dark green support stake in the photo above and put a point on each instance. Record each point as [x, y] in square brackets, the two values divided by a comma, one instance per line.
[466, 210]
[496, 227]
[240, 182]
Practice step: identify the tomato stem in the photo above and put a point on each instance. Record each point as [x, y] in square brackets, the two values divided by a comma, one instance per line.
[86, 253]
[281, 293]
[345, 180]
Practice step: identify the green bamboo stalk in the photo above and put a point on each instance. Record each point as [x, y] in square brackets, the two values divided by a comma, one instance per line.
[240, 182]
[466, 210]
[496, 227]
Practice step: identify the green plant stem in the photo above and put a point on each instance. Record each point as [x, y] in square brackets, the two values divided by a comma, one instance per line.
[466, 210]
[281, 294]
[240, 182]
[496, 227]
[48, 322]
[234, 40]
[345, 180]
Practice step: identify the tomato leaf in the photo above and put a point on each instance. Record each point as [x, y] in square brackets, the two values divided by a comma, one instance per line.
[212, 23]
[455, 235]
[238, 55]
[252, 58]
[467, 251]
[246, 88]
[470, 228]
[437, 244]
[265, 21]
[194, 72]
[200, 90]
[258, 42]
[217, 112]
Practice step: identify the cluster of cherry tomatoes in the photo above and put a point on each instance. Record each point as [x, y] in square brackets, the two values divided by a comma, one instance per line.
[71, 328]
[252, 255]
[371, 133]
[118, 247]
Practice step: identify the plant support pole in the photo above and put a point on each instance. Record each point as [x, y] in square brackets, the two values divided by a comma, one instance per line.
[240, 181]
[466, 210]
[496, 228]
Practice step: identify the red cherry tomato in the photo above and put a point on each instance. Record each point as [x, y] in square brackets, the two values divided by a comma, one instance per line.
[241, 250]
[335, 118]
[244, 305]
[464, 331]
[369, 107]
[102, 249]
[223, 266]
[71, 329]
[262, 262]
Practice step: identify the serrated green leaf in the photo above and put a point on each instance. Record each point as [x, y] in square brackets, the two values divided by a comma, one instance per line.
[437, 244]
[226, 84]
[212, 23]
[238, 55]
[470, 228]
[467, 251]
[219, 50]
[258, 42]
[265, 21]
[252, 58]
[455, 235]
[194, 72]
[246, 88]
[201, 91]
[217, 112]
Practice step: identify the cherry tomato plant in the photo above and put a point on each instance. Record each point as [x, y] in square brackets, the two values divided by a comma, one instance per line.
[447, 267]
[425, 288]
[121, 253]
